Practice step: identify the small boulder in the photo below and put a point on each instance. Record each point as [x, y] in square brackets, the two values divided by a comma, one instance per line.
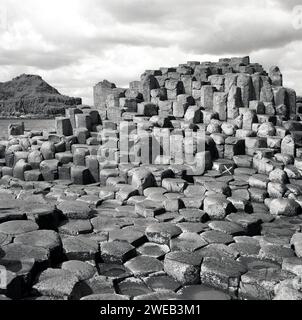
[284, 207]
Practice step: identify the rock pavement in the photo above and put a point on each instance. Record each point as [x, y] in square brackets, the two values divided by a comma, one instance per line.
[186, 185]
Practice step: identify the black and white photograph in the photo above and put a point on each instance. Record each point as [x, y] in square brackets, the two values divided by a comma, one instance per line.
[150, 150]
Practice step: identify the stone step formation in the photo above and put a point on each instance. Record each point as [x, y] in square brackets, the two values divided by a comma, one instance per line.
[186, 185]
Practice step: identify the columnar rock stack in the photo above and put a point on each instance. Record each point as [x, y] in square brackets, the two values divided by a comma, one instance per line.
[185, 185]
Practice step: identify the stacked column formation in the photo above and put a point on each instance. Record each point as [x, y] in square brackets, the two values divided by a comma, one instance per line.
[186, 185]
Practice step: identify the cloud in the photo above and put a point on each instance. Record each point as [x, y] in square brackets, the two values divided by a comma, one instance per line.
[73, 43]
[288, 4]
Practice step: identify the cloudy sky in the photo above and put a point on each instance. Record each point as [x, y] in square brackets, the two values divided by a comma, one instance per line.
[74, 44]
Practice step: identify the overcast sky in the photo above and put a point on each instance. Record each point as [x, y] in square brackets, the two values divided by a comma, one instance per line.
[74, 44]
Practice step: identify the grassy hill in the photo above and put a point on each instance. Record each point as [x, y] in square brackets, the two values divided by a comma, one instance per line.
[31, 95]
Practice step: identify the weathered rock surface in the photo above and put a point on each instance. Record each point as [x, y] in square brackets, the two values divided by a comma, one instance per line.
[186, 185]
